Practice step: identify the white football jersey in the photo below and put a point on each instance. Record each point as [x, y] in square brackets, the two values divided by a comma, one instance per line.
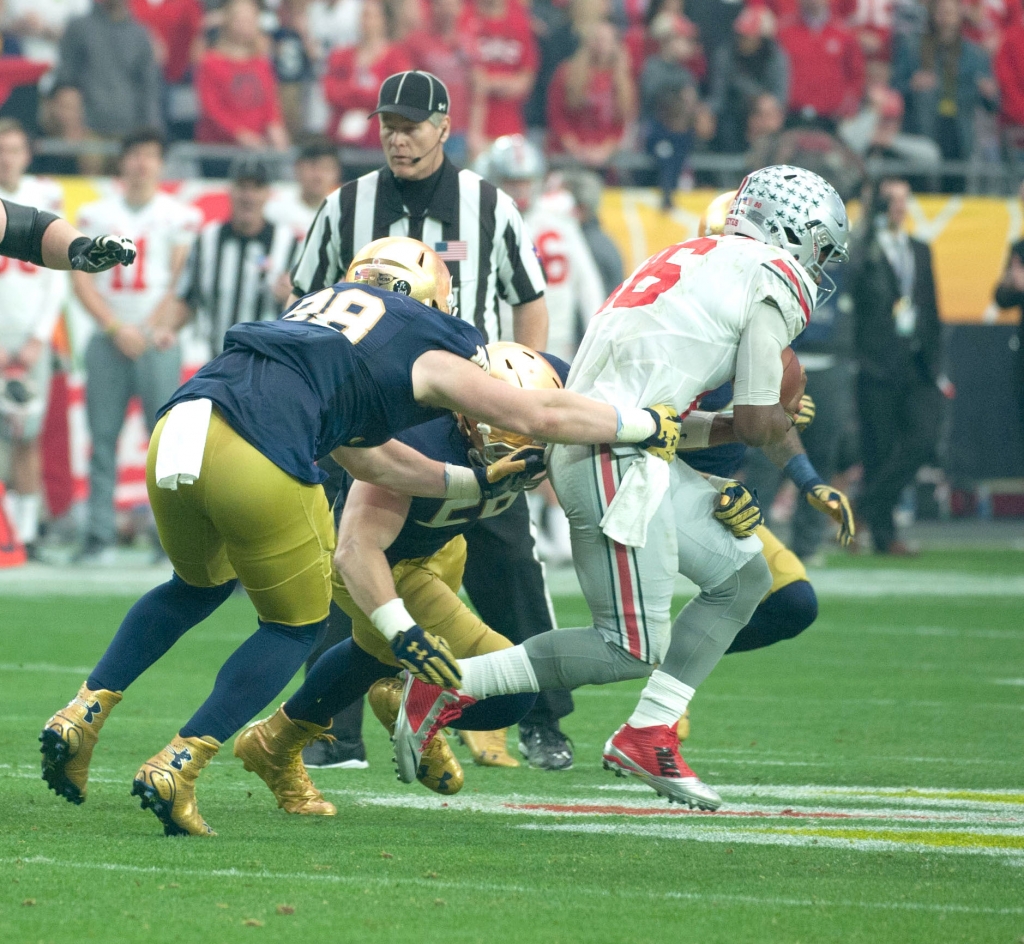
[574, 290]
[31, 297]
[158, 228]
[670, 332]
[287, 208]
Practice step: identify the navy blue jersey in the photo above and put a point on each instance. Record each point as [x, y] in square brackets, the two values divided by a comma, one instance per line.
[433, 522]
[725, 460]
[335, 370]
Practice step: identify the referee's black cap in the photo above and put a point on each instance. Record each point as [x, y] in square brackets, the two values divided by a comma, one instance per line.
[414, 95]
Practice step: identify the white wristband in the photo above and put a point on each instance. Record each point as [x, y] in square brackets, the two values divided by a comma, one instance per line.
[391, 619]
[696, 430]
[635, 425]
[460, 482]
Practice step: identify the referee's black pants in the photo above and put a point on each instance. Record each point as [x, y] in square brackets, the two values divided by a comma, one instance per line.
[505, 583]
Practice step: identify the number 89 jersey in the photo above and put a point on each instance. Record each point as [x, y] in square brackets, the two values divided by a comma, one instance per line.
[335, 370]
[670, 333]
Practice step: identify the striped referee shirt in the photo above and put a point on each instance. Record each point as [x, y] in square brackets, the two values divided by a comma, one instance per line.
[229, 277]
[470, 223]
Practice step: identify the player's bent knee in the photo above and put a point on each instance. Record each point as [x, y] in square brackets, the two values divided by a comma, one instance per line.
[799, 605]
[569, 658]
[306, 632]
[755, 577]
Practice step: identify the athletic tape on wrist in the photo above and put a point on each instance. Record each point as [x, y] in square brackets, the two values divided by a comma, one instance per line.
[696, 430]
[460, 482]
[635, 425]
[391, 619]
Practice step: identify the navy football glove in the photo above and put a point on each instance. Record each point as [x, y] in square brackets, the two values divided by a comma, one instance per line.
[668, 426]
[737, 509]
[836, 505]
[521, 470]
[427, 657]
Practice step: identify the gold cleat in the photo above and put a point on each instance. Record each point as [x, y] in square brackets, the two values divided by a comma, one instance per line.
[272, 749]
[439, 768]
[69, 738]
[166, 784]
[489, 748]
[683, 731]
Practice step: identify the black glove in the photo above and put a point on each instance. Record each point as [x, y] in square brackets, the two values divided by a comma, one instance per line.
[427, 657]
[521, 470]
[101, 253]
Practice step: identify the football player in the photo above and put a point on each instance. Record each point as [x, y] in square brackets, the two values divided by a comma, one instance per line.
[688, 319]
[236, 494]
[791, 605]
[421, 540]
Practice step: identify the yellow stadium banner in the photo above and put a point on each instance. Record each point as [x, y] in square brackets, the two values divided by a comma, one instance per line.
[969, 237]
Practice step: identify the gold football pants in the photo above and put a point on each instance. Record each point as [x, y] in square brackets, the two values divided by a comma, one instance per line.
[246, 517]
[782, 562]
[429, 587]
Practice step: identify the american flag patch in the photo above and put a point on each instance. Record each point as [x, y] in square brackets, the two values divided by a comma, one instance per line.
[457, 251]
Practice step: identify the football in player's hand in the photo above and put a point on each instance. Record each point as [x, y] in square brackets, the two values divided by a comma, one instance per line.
[793, 381]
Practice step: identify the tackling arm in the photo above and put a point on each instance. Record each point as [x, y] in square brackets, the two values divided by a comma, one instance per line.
[396, 466]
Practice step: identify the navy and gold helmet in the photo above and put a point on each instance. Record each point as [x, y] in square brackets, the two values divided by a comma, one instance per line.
[405, 265]
[521, 367]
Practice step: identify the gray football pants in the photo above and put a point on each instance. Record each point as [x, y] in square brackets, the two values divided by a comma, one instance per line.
[111, 381]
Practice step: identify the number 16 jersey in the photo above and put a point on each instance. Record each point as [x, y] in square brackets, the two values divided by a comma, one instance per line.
[335, 370]
[670, 333]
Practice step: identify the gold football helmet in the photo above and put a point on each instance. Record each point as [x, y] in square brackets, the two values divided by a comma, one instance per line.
[712, 223]
[401, 264]
[519, 366]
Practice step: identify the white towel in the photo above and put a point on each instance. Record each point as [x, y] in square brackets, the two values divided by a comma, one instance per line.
[179, 457]
[639, 495]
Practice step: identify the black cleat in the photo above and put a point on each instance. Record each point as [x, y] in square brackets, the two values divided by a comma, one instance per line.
[544, 746]
[56, 754]
[345, 755]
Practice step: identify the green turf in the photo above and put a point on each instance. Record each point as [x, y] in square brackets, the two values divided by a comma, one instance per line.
[881, 693]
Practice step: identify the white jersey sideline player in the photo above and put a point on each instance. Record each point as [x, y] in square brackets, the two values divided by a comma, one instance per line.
[31, 298]
[688, 319]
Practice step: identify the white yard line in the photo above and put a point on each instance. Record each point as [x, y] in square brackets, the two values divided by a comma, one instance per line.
[711, 899]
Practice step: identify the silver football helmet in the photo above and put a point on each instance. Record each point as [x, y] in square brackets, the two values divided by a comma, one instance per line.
[516, 165]
[793, 209]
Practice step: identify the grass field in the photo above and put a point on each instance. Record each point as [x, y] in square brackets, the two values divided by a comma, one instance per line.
[873, 772]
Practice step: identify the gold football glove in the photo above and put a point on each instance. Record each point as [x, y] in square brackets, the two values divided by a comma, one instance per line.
[804, 416]
[836, 505]
[738, 509]
[668, 426]
[427, 657]
[522, 469]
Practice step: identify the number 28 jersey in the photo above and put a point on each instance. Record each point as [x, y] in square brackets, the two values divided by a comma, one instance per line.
[334, 370]
[670, 333]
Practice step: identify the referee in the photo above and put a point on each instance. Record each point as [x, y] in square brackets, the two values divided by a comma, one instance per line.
[479, 233]
[234, 271]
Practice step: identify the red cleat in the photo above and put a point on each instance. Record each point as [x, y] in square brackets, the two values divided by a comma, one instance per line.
[425, 709]
[652, 754]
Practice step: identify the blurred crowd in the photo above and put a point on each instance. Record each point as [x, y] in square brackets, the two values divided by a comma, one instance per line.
[923, 80]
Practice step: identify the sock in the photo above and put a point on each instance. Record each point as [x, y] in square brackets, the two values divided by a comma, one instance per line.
[505, 672]
[502, 711]
[28, 518]
[340, 676]
[154, 624]
[253, 676]
[781, 615]
[663, 701]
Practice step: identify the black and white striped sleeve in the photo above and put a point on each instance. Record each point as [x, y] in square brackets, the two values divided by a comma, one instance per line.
[319, 262]
[190, 283]
[519, 273]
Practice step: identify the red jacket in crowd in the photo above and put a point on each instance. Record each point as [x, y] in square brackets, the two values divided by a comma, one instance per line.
[504, 46]
[826, 68]
[1009, 72]
[598, 119]
[351, 90]
[235, 95]
[176, 24]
